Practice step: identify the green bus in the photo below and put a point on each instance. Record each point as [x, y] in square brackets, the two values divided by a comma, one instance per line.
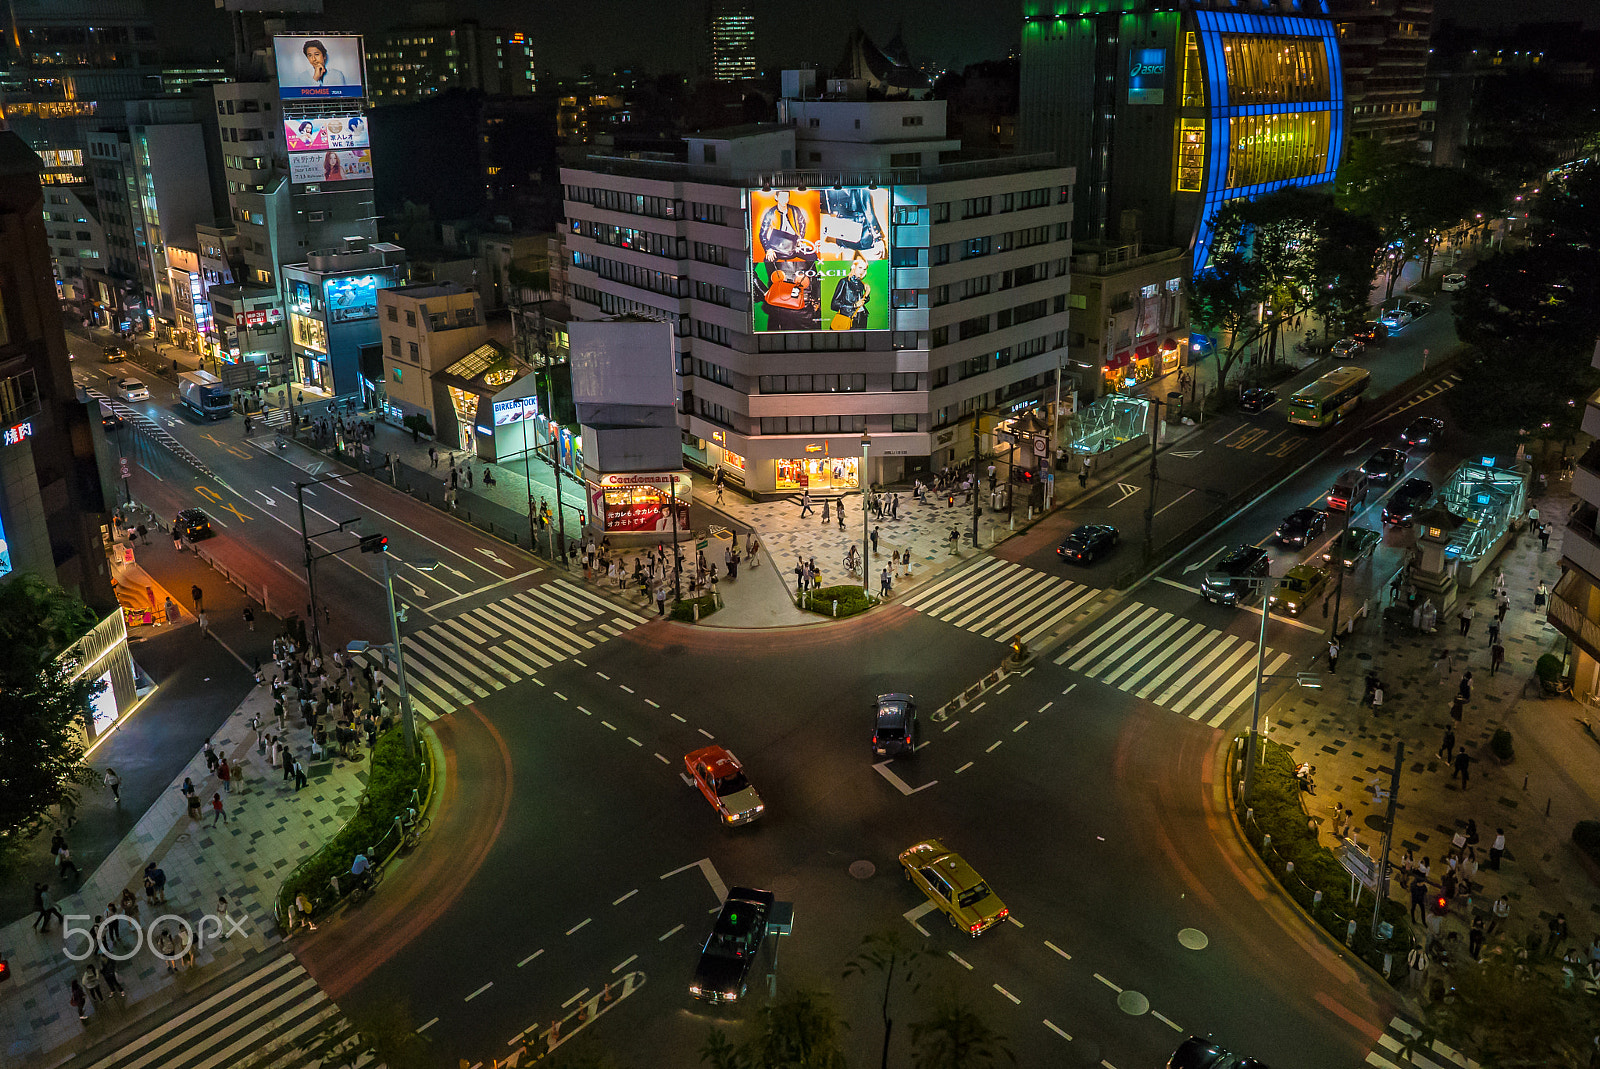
[1329, 399]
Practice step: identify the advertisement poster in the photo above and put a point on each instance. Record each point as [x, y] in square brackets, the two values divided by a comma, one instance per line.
[318, 67]
[1147, 76]
[325, 132]
[819, 259]
[636, 508]
[352, 297]
[330, 166]
[308, 333]
[516, 410]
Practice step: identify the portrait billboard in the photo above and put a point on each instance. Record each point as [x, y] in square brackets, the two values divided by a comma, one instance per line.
[819, 259]
[333, 165]
[319, 66]
[320, 133]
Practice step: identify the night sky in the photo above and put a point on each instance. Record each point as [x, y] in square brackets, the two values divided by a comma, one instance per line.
[668, 34]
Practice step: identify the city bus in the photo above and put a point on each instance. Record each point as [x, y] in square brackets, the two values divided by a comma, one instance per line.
[1329, 399]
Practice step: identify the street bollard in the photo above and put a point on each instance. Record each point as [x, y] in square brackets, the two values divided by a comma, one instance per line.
[696, 612]
[1350, 933]
[835, 607]
[1388, 964]
[1266, 843]
[1288, 869]
[1316, 899]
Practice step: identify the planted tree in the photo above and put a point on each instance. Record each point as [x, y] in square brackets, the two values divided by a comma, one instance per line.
[801, 1030]
[886, 955]
[954, 1037]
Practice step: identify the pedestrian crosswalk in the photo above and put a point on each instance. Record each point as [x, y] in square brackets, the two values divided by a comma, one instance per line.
[1163, 658]
[274, 1017]
[1403, 1044]
[470, 656]
[998, 599]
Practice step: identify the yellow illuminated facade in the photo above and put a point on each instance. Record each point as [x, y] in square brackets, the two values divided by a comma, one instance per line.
[1191, 155]
[1274, 70]
[1275, 148]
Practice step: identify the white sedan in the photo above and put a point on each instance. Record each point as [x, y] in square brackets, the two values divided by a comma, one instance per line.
[132, 390]
[1395, 318]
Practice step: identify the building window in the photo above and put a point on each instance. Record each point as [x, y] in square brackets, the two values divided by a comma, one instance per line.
[975, 247]
[394, 315]
[939, 336]
[812, 383]
[907, 216]
[905, 159]
[973, 287]
[939, 255]
[903, 381]
[711, 332]
[1077, 301]
[813, 424]
[906, 257]
[972, 328]
[903, 421]
[973, 207]
[904, 298]
[708, 253]
[708, 153]
[940, 213]
[712, 372]
[394, 344]
[905, 339]
[911, 120]
[411, 318]
[707, 213]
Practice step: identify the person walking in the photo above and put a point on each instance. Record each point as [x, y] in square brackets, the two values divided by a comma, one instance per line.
[114, 782]
[841, 515]
[884, 580]
[108, 973]
[1558, 933]
[1377, 699]
[719, 491]
[1419, 896]
[1544, 536]
[1461, 767]
[64, 862]
[433, 457]
[1466, 619]
[218, 811]
[45, 908]
[1447, 748]
[826, 504]
[1464, 691]
[1417, 963]
[198, 596]
[805, 503]
[1333, 655]
[1497, 849]
[1541, 595]
[1475, 938]
[661, 599]
[205, 623]
[299, 775]
[1497, 657]
[249, 618]
[225, 773]
[210, 755]
[177, 538]
[874, 540]
[1501, 606]
[1494, 631]
[79, 1000]
[1501, 913]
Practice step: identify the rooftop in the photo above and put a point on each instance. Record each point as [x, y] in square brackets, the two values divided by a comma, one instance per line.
[952, 171]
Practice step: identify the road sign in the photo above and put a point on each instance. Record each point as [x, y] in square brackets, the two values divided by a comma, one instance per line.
[125, 471]
[1039, 446]
[703, 543]
[1358, 864]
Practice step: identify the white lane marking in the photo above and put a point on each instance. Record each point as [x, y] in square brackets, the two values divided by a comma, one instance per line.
[586, 712]
[915, 914]
[574, 998]
[1070, 689]
[1014, 920]
[1108, 983]
[580, 924]
[1166, 1021]
[427, 1026]
[635, 741]
[1045, 706]
[625, 687]
[1002, 690]
[1058, 950]
[963, 768]
[1014, 999]
[647, 701]
[706, 733]
[899, 784]
[663, 760]
[994, 746]
[579, 663]
[679, 719]
[537, 680]
[603, 676]
[980, 705]
[478, 992]
[964, 963]
[952, 724]
[624, 964]
[558, 694]
[530, 957]
[663, 938]
[1107, 1064]
[1056, 1030]
[709, 871]
[624, 898]
[608, 724]
[1019, 727]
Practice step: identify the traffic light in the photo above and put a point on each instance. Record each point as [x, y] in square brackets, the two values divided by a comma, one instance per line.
[5, 970]
[374, 543]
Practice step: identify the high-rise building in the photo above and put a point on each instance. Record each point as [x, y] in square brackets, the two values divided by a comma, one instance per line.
[829, 276]
[413, 62]
[1384, 46]
[731, 25]
[1575, 601]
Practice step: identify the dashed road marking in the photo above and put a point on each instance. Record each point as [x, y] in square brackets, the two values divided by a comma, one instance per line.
[663, 760]
[962, 961]
[1014, 920]
[584, 711]
[668, 935]
[574, 998]
[579, 663]
[580, 924]
[427, 1026]
[679, 719]
[994, 746]
[1056, 1030]
[635, 741]
[625, 687]
[1014, 999]
[1108, 983]
[1019, 727]
[706, 733]
[963, 768]
[1045, 706]
[558, 694]
[603, 676]
[1166, 1021]
[650, 703]
[952, 724]
[624, 898]
[915, 914]
[1058, 950]
[478, 992]
[624, 964]
[530, 957]
[609, 724]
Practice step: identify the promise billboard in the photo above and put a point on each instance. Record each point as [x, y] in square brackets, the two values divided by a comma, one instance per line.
[819, 259]
[319, 67]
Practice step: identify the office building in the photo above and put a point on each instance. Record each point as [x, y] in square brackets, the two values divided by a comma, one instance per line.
[1170, 109]
[1384, 47]
[938, 292]
[414, 62]
[426, 329]
[332, 305]
[1575, 601]
[731, 26]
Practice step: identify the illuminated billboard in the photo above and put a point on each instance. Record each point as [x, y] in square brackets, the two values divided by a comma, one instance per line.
[819, 259]
[516, 410]
[318, 67]
[1147, 76]
[321, 133]
[354, 296]
[308, 333]
[346, 165]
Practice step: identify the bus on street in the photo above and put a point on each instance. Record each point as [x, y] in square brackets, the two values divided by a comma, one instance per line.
[1330, 398]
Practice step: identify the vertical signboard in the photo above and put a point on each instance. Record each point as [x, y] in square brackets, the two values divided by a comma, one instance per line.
[1147, 76]
[819, 259]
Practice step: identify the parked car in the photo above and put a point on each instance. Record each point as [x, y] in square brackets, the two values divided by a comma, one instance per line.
[1350, 546]
[1385, 466]
[1088, 543]
[1403, 504]
[1348, 348]
[723, 971]
[1197, 1053]
[1395, 318]
[1229, 582]
[954, 886]
[894, 725]
[132, 390]
[109, 419]
[1417, 308]
[1256, 399]
[193, 525]
[1422, 431]
[1301, 526]
[1373, 332]
[1452, 282]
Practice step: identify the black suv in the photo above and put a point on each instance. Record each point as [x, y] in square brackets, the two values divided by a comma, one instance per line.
[193, 525]
[1224, 584]
[894, 727]
[1404, 503]
[1197, 1053]
[723, 972]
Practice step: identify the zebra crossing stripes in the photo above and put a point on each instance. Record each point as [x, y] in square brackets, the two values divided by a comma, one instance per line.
[1402, 1044]
[275, 1015]
[998, 599]
[457, 661]
[1186, 667]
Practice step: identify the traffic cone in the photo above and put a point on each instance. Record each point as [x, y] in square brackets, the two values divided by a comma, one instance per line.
[583, 1013]
[555, 1030]
[606, 995]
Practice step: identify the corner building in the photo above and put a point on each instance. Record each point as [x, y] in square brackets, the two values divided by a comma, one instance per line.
[957, 312]
[1172, 108]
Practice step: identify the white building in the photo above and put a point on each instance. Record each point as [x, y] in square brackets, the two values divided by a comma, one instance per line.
[973, 320]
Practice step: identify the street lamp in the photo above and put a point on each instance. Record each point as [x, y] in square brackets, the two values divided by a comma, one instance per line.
[378, 544]
[1309, 680]
[866, 542]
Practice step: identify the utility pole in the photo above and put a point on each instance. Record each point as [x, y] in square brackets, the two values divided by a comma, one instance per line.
[555, 456]
[977, 420]
[1388, 835]
[866, 560]
[1338, 586]
[677, 555]
[406, 718]
[311, 567]
[1150, 502]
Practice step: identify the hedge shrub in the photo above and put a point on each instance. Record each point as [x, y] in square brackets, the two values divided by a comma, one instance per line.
[684, 610]
[1277, 810]
[1548, 668]
[1500, 743]
[852, 600]
[391, 778]
[1586, 835]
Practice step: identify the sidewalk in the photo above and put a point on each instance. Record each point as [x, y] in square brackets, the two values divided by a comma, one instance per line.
[1553, 781]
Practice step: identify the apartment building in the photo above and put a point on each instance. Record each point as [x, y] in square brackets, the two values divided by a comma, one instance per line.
[937, 287]
[425, 329]
[1575, 601]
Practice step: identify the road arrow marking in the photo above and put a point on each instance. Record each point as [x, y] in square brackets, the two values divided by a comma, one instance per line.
[1187, 568]
[901, 785]
[267, 499]
[1187, 454]
[492, 555]
[1364, 443]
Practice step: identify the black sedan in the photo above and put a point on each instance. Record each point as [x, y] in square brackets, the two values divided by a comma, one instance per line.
[723, 972]
[1385, 466]
[1088, 543]
[1256, 399]
[1301, 526]
[1424, 430]
[1404, 503]
[1197, 1053]
[894, 725]
[193, 525]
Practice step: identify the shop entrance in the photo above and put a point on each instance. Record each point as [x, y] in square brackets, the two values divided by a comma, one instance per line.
[820, 473]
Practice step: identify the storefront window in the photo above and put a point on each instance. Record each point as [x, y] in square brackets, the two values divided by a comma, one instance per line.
[732, 459]
[466, 409]
[820, 473]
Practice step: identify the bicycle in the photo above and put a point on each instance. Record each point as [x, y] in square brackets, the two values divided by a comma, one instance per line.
[361, 890]
[415, 831]
[852, 561]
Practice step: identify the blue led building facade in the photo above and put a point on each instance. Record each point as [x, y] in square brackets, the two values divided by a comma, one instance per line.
[1172, 108]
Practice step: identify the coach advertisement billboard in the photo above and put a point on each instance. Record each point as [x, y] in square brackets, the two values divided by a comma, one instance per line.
[325, 132]
[330, 166]
[819, 259]
[319, 67]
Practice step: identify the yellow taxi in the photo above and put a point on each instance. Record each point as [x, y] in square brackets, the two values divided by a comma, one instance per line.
[954, 886]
